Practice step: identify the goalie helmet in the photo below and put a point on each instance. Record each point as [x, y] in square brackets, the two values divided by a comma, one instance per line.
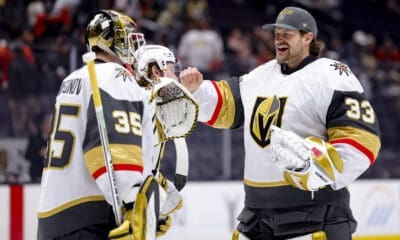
[115, 34]
[157, 54]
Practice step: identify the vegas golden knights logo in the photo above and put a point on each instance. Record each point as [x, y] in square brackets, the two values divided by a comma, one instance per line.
[266, 112]
[283, 13]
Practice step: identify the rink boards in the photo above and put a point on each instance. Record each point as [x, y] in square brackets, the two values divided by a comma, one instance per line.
[210, 210]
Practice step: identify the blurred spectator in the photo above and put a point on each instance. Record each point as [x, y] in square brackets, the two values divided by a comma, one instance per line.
[37, 143]
[202, 47]
[128, 7]
[264, 44]
[170, 25]
[64, 5]
[35, 9]
[388, 51]
[239, 57]
[13, 168]
[169, 14]
[23, 84]
[151, 8]
[323, 5]
[196, 10]
[394, 6]
[12, 17]
[5, 60]
[54, 69]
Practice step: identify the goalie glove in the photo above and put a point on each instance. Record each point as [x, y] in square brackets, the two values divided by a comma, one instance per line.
[125, 230]
[163, 226]
[176, 109]
[308, 164]
[170, 198]
[140, 207]
[170, 202]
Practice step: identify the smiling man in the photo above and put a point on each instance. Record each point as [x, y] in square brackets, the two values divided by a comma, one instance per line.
[309, 132]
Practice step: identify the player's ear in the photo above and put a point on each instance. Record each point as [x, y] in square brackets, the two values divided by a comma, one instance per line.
[309, 36]
[155, 72]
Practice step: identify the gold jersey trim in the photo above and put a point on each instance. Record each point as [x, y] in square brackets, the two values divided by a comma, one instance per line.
[265, 184]
[120, 154]
[226, 114]
[70, 204]
[370, 141]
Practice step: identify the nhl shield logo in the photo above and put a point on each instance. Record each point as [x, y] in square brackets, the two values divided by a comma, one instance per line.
[266, 112]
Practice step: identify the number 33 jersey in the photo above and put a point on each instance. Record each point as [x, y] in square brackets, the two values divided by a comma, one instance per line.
[323, 99]
[75, 183]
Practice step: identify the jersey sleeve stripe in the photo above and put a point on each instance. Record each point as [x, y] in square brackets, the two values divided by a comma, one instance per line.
[365, 141]
[360, 147]
[225, 116]
[122, 155]
[218, 107]
[117, 167]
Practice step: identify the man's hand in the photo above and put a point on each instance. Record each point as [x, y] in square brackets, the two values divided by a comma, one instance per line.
[308, 164]
[191, 78]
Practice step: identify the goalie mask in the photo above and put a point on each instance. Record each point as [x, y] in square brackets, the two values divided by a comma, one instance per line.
[115, 34]
[159, 55]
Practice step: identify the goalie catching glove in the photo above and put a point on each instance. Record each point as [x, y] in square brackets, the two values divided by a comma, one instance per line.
[176, 109]
[308, 164]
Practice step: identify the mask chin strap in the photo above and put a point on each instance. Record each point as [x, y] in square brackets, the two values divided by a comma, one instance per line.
[108, 51]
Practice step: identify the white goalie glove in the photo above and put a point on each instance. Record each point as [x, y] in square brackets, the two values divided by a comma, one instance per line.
[307, 163]
[170, 202]
[170, 198]
[176, 109]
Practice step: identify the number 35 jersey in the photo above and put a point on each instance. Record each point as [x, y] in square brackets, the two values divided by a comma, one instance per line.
[322, 99]
[75, 186]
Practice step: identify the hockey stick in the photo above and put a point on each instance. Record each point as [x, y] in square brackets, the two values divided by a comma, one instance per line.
[89, 58]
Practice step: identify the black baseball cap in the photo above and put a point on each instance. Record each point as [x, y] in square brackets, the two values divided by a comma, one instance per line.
[296, 19]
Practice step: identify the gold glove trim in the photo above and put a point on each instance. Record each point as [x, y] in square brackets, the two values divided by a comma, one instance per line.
[324, 161]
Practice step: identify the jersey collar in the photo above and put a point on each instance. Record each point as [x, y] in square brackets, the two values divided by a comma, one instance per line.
[286, 70]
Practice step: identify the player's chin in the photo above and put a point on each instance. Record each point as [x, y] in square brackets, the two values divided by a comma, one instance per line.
[280, 59]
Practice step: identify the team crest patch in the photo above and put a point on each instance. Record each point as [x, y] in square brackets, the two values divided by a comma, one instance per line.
[343, 68]
[122, 72]
[267, 111]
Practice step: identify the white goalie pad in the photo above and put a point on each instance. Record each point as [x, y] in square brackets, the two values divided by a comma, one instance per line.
[176, 109]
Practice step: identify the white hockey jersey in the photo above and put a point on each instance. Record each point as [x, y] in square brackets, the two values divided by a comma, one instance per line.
[75, 188]
[322, 99]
